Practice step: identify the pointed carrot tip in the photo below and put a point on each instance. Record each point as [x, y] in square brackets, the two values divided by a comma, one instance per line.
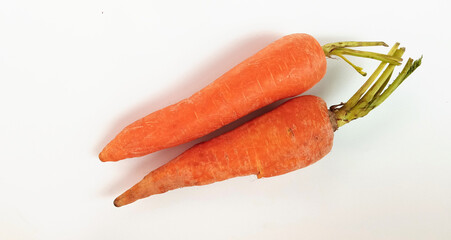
[105, 156]
[117, 202]
[102, 157]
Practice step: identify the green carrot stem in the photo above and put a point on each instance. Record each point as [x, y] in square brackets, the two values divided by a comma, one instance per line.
[353, 44]
[356, 97]
[342, 48]
[359, 104]
[365, 54]
[357, 68]
[410, 67]
[376, 87]
[378, 93]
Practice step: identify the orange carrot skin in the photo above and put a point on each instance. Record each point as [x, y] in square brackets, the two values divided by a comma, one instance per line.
[292, 136]
[285, 68]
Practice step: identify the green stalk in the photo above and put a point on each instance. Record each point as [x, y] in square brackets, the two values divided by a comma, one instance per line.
[344, 110]
[331, 46]
[410, 67]
[364, 100]
[378, 93]
[357, 68]
[370, 95]
[342, 48]
[377, 56]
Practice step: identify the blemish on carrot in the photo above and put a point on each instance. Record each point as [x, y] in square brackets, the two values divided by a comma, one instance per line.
[290, 131]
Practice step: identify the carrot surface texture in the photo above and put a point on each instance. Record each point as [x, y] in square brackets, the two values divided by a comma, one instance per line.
[285, 68]
[292, 136]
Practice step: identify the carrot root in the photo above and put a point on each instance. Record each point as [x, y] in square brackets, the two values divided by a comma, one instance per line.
[285, 68]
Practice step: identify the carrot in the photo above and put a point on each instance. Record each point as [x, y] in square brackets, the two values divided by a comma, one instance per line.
[285, 68]
[295, 135]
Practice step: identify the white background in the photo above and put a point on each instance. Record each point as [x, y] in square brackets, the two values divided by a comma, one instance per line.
[74, 73]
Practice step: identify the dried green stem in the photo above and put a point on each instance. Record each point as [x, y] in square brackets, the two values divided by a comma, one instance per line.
[356, 97]
[372, 95]
[357, 68]
[410, 67]
[376, 87]
[342, 48]
[365, 54]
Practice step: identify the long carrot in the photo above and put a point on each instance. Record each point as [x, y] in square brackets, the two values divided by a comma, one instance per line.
[285, 68]
[292, 136]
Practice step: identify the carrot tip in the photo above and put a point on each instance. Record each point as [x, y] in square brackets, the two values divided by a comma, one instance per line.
[102, 157]
[117, 202]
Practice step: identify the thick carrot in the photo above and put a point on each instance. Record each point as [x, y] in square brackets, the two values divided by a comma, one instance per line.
[285, 68]
[292, 136]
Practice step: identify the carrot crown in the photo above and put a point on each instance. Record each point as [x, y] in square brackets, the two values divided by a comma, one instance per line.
[342, 48]
[372, 95]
